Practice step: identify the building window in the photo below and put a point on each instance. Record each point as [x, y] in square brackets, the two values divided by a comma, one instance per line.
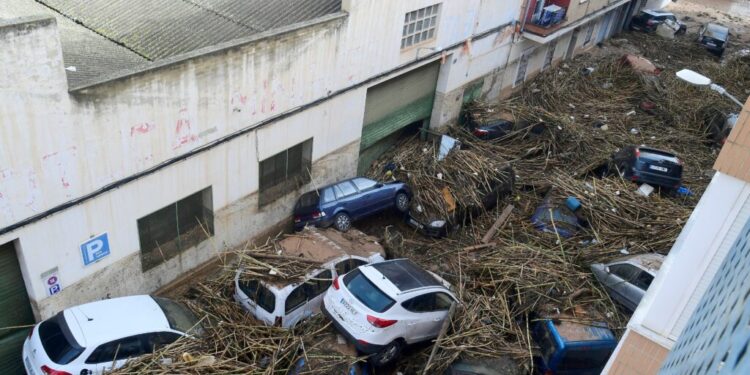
[550, 54]
[523, 64]
[589, 34]
[285, 172]
[173, 229]
[420, 26]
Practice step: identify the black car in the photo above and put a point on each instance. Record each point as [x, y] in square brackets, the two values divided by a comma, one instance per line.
[714, 37]
[649, 166]
[493, 129]
[648, 20]
[345, 201]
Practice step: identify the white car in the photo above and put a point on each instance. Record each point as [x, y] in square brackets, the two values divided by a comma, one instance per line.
[102, 335]
[285, 304]
[382, 307]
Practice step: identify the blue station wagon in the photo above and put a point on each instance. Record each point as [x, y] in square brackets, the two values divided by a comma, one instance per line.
[340, 204]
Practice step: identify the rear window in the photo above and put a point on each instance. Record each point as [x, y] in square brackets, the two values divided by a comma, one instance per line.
[58, 341]
[657, 155]
[179, 317]
[366, 292]
[259, 294]
[309, 199]
[585, 359]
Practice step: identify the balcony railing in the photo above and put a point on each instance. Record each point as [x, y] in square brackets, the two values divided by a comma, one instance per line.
[544, 17]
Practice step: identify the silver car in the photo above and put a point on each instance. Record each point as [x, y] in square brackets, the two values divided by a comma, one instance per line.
[627, 279]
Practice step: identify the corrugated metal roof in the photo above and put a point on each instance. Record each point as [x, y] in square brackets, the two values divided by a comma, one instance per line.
[158, 29]
[103, 37]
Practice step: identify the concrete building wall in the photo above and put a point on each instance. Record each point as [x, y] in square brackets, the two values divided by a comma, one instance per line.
[213, 116]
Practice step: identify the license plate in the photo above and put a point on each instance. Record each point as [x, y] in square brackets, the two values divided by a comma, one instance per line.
[348, 307]
[658, 168]
[711, 44]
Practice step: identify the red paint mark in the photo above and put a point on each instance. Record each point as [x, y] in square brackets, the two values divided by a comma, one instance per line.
[262, 107]
[265, 84]
[142, 128]
[351, 77]
[65, 184]
[1, 195]
[273, 106]
[45, 157]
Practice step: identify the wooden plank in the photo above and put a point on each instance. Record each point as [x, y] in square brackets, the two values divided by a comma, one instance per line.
[498, 223]
[443, 330]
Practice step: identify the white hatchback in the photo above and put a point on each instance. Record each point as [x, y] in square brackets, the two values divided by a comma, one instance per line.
[382, 307]
[99, 336]
[287, 303]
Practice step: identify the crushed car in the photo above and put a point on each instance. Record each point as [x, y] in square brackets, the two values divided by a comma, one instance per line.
[96, 337]
[627, 280]
[714, 38]
[383, 307]
[648, 20]
[346, 201]
[553, 216]
[286, 302]
[568, 347]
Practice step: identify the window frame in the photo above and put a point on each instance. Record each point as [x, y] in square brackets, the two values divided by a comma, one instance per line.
[160, 225]
[414, 32]
[276, 178]
[116, 353]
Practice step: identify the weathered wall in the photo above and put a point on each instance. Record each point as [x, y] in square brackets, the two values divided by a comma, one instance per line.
[57, 146]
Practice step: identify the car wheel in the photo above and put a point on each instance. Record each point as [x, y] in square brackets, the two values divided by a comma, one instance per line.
[387, 355]
[402, 202]
[342, 222]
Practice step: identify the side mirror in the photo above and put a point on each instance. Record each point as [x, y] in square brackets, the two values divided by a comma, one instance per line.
[606, 269]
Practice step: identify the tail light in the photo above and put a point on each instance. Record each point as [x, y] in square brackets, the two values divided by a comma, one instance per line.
[480, 132]
[31, 332]
[650, 22]
[679, 161]
[318, 214]
[336, 283]
[549, 372]
[634, 178]
[637, 153]
[48, 371]
[380, 323]
[297, 219]
[277, 322]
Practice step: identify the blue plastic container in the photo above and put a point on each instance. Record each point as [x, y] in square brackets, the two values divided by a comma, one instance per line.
[573, 203]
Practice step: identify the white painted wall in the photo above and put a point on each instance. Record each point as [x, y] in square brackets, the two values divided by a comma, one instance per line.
[56, 146]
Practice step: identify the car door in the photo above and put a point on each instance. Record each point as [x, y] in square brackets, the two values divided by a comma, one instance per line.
[429, 311]
[620, 284]
[347, 198]
[369, 195]
[305, 299]
[114, 354]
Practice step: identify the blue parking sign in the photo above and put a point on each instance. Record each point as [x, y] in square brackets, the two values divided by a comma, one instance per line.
[95, 249]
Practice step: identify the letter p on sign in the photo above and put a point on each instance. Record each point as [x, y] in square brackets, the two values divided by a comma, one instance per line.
[95, 249]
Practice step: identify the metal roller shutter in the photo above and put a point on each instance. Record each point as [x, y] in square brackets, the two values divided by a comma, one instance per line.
[15, 310]
[393, 105]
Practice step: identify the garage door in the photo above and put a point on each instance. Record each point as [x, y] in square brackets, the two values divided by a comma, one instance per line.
[15, 310]
[393, 105]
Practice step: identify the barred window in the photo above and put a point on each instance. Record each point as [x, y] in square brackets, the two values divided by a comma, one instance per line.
[285, 172]
[420, 25]
[175, 228]
[550, 55]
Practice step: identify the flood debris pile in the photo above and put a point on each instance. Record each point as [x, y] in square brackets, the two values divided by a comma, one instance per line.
[235, 342]
[447, 183]
[568, 123]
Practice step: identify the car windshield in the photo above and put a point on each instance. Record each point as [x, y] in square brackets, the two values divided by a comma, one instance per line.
[366, 292]
[179, 317]
[58, 341]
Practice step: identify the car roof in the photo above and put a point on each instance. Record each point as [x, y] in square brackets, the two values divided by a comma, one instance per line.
[717, 31]
[405, 275]
[95, 323]
[651, 262]
[655, 12]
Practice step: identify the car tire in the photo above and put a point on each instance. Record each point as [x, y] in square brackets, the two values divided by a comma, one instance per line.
[389, 354]
[402, 202]
[342, 222]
